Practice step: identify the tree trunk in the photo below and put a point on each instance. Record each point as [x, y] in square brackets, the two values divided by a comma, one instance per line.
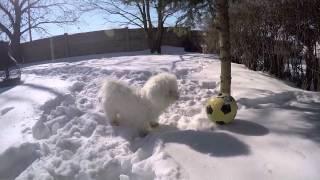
[150, 39]
[315, 75]
[149, 27]
[318, 73]
[158, 40]
[308, 78]
[155, 40]
[280, 66]
[15, 48]
[316, 68]
[224, 36]
[7, 73]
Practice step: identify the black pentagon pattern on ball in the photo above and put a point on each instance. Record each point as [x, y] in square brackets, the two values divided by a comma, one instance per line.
[226, 108]
[209, 109]
[220, 122]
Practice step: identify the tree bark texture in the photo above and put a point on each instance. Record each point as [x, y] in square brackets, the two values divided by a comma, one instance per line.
[224, 40]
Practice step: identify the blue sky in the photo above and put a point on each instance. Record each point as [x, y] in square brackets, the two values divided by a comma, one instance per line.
[88, 22]
[92, 21]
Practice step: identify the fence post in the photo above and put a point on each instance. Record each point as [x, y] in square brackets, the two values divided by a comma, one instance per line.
[66, 45]
[127, 39]
[52, 48]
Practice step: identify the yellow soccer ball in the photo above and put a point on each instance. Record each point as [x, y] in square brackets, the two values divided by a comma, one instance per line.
[221, 109]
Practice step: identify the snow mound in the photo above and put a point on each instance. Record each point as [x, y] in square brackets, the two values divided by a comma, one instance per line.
[40, 130]
[87, 147]
[56, 114]
[275, 135]
[81, 144]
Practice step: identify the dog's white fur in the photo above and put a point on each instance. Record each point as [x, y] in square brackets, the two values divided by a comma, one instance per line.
[135, 107]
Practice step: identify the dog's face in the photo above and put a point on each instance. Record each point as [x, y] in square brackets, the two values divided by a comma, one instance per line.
[168, 90]
[162, 90]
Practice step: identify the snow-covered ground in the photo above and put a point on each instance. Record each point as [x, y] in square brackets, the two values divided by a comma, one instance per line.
[52, 127]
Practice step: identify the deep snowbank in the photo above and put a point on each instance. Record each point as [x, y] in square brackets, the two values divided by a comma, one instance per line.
[273, 137]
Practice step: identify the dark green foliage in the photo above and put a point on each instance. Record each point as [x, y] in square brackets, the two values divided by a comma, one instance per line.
[195, 12]
[278, 37]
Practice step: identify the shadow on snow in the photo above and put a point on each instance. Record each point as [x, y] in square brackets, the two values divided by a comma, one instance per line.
[215, 144]
[301, 104]
[247, 128]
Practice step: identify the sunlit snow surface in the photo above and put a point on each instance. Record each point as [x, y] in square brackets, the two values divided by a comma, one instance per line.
[275, 134]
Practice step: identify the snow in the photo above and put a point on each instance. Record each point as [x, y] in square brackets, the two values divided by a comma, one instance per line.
[19, 107]
[52, 126]
[16, 159]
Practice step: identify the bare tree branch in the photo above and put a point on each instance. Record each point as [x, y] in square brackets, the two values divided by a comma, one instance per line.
[44, 22]
[5, 30]
[20, 16]
[138, 13]
[6, 11]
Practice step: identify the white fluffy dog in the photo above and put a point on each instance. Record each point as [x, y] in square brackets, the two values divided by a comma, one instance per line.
[138, 108]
